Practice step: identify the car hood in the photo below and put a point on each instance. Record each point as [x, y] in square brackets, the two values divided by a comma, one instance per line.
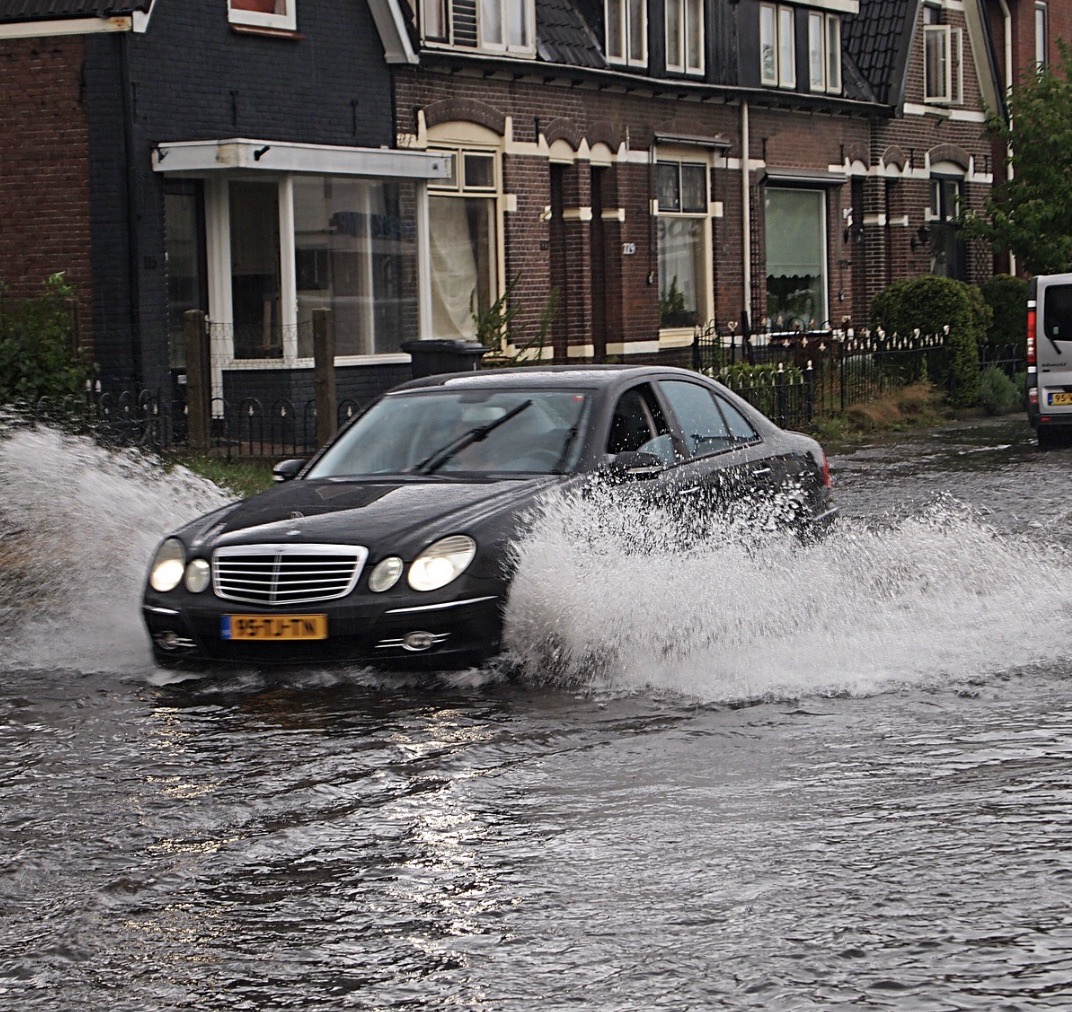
[405, 515]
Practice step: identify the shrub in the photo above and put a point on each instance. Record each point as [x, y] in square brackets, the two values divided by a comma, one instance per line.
[38, 356]
[1007, 298]
[931, 304]
[998, 394]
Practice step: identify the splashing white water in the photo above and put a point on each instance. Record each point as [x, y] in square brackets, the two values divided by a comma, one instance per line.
[935, 597]
[606, 598]
[78, 524]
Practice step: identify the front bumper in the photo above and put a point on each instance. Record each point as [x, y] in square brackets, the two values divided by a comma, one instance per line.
[435, 631]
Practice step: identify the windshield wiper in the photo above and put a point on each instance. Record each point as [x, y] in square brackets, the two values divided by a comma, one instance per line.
[435, 461]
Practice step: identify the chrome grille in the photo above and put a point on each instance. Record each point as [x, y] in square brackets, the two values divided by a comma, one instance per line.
[283, 575]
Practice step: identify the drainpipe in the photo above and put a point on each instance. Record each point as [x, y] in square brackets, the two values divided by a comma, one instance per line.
[1006, 17]
[746, 212]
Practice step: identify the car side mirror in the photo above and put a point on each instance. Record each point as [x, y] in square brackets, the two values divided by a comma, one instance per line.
[285, 470]
[635, 464]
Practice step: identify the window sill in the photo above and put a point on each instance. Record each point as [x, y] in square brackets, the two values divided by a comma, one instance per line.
[278, 33]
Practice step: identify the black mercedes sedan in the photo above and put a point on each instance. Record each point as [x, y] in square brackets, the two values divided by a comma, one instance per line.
[392, 546]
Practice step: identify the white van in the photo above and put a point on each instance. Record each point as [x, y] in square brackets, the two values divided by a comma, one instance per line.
[1049, 357]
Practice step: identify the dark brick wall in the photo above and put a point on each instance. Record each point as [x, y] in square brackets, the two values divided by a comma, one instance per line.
[44, 171]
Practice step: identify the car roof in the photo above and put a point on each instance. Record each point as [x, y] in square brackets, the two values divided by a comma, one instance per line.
[549, 376]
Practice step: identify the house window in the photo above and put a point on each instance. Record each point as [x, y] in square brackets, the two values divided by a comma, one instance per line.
[263, 13]
[627, 31]
[777, 46]
[462, 226]
[683, 228]
[355, 253]
[948, 249]
[508, 25]
[685, 36]
[796, 258]
[435, 20]
[824, 52]
[943, 52]
[255, 278]
[1041, 34]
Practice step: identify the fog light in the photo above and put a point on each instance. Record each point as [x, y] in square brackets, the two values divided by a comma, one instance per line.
[417, 641]
[167, 640]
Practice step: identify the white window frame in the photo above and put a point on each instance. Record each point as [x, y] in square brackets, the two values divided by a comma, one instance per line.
[512, 14]
[692, 157]
[689, 37]
[824, 52]
[1042, 34]
[285, 17]
[949, 43]
[435, 11]
[633, 37]
[777, 40]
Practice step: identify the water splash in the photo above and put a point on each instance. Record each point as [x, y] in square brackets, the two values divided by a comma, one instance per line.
[606, 598]
[935, 597]
[78, 524]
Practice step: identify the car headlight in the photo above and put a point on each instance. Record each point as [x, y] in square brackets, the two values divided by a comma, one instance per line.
[197, 575]
[441, 562]
[168, 564]
[385, 575]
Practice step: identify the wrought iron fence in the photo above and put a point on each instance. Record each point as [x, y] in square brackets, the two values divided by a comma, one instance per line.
[798, 377]
[250, 428]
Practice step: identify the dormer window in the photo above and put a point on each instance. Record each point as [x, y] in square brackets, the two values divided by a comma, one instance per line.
[942, 59]
[824, 52]
[508, 25]
[627, 32]
[777, 46]
[685, 36]
[279, 14]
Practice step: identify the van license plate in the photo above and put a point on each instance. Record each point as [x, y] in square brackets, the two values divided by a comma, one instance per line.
[274, 627]
[1058, 400]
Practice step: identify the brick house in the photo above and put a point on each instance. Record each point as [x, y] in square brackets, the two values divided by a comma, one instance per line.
[599, 149]
[228, 155]
[657, 165]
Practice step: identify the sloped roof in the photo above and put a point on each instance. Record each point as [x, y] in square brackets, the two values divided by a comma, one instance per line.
[563, 36]
[48, 10]
[878, 40]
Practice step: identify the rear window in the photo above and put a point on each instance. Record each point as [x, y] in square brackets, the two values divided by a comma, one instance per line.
[1057, 312]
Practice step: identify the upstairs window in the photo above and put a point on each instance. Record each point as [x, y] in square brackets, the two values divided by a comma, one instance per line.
[777, 46]
[685, 36]
[943, 54]
[435, 20]
[263, 13]
[824, 52]
[627, 32]
[1041, 35]
[508, 25]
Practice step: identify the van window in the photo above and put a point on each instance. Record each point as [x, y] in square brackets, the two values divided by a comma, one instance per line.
[1057, 312]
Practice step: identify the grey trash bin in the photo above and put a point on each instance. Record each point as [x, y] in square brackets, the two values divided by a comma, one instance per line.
[443, 355]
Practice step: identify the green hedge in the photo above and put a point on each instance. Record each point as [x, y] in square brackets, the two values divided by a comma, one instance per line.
[1007, 298]
[38, 353]
[931, 304]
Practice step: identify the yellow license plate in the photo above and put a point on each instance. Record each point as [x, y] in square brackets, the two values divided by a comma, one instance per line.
[274, 627]
[1059, 399]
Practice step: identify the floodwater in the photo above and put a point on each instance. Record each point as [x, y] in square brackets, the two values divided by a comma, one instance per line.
[755, 776]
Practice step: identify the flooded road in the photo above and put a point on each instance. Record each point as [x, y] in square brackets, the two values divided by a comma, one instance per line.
[753, 777]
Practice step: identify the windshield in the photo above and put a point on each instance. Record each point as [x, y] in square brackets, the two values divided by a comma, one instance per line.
[474, 431]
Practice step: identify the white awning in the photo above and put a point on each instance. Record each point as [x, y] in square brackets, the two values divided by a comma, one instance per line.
[200, 157]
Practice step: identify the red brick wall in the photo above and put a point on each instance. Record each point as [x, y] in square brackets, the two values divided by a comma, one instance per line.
[44, 169]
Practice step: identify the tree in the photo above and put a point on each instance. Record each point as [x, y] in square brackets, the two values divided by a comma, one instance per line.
[1030, 213]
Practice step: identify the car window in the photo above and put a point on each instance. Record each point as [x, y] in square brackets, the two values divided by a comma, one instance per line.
[740, 427]
[638, 425]
[697, 413]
